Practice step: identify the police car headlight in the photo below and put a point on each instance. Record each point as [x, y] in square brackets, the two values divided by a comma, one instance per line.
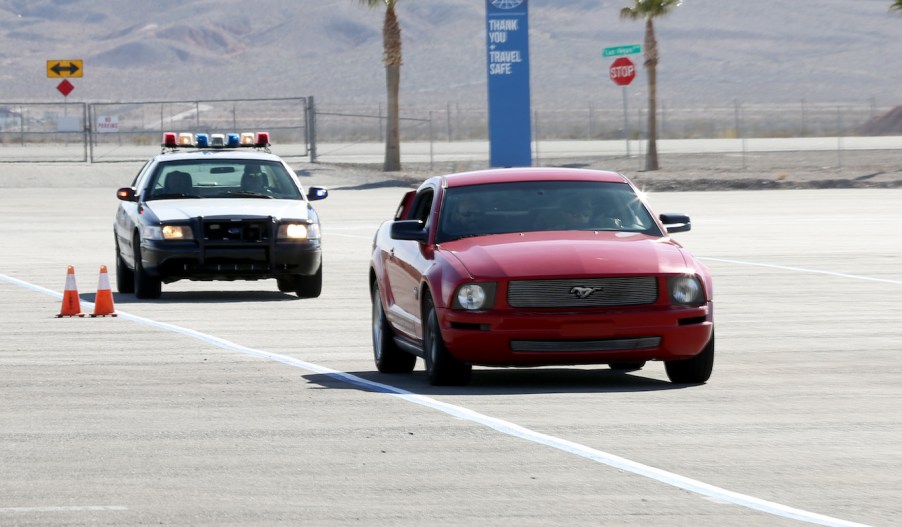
[686, 290]
[299, 231]
[168, 232]
[475, 297]
[177, 232]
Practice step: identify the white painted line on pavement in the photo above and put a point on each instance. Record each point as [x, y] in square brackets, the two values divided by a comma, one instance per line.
[505, 427]
[803, 270]
[73, 508]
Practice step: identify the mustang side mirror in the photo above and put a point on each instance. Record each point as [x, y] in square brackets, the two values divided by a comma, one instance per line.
[676, 223]
[409, 230]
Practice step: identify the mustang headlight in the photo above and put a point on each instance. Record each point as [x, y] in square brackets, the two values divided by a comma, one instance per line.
[475, 296]
[299, 231]
[168, 232]
[686, 290]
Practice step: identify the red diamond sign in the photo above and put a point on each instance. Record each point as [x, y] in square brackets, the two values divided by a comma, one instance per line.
[65, 88]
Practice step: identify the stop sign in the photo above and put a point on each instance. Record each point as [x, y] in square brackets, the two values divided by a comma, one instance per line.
[623, 71]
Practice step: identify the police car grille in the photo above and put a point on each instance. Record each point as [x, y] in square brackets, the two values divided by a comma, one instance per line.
[237, 231]
[583, 292]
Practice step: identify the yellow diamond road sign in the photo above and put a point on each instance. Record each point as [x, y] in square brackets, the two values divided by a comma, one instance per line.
[64, 68]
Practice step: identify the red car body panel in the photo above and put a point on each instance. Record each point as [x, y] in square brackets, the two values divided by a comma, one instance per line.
[408, 270]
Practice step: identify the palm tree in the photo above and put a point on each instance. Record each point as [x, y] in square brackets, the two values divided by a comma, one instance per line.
[649, 10]
[897, 6]
[391, 48]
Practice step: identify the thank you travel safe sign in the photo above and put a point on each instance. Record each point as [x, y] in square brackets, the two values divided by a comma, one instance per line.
[507, 46]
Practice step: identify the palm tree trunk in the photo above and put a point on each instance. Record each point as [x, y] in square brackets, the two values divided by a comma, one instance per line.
[651, 67]
[392, 127]
[391, 43]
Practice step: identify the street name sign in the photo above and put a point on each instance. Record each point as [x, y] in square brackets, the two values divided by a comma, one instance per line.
[618, 51]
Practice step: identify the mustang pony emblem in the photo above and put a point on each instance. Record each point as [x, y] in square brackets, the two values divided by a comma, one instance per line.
[584, 292]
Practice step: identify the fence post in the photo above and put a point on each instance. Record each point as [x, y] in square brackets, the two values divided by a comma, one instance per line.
[839, 132]
[88, 136]
[311, 128]
[431, 142]
[448, 115]
[535, 132]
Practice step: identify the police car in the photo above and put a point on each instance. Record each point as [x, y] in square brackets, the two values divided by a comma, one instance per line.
[217, 207]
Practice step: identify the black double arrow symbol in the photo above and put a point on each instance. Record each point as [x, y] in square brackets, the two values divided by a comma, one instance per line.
[70, 70]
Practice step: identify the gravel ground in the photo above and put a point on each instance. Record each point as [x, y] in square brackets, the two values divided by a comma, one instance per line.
[755, 171]
[758, 171]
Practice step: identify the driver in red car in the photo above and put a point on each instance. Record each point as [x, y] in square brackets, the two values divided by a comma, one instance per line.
[465, 217]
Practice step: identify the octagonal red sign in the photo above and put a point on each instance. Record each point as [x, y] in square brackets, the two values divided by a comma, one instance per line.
[623, 71]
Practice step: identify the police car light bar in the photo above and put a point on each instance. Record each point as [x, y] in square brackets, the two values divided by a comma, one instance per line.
[173, 140]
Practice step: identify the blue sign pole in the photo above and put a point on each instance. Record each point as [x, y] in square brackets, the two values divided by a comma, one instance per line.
[507, 57]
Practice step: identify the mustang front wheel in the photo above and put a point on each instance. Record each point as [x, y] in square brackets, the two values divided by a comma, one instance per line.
[388, 356]
[696, 370]
[442, 368]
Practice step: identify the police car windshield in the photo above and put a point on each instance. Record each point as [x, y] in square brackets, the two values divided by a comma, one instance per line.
[222, 178]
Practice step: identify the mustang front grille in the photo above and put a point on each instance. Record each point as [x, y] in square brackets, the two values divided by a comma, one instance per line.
[583, 292]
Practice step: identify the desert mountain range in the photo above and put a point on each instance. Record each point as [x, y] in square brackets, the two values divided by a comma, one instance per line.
[713, 52]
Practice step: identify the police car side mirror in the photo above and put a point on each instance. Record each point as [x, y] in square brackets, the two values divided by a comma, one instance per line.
[126, 194]
[317, 193]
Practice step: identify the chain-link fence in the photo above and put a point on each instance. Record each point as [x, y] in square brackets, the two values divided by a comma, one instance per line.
[123, 131]
[111, 132]
[49, 132]
[115, 132]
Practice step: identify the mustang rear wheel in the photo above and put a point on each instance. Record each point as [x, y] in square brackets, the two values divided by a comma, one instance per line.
[442, 368]
[696, 370]
[388, 356]
[146, 286]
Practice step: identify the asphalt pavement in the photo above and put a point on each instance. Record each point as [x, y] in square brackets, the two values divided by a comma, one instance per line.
[234, 404]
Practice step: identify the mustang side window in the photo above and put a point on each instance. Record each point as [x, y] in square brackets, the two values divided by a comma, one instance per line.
[422, 206]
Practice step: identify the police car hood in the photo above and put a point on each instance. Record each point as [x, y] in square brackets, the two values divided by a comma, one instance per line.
[182, 209]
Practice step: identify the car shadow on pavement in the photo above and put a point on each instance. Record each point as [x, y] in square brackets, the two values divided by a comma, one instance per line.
[510, 382]
[200, 297]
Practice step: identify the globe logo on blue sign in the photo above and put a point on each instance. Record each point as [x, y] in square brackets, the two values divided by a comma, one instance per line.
[506, 4]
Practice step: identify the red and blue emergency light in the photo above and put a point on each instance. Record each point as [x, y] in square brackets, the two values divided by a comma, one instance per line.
[173, 140]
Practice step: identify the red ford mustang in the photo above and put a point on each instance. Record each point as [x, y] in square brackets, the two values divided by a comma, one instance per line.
[534, 267]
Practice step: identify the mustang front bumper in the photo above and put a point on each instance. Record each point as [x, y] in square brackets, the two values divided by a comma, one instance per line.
[556, 338]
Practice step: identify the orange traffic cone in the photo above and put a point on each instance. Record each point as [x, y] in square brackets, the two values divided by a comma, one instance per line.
[103, 302]
[71, 305]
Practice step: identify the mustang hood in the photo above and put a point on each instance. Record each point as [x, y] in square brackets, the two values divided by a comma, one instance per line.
[180, 209]
[539, 255]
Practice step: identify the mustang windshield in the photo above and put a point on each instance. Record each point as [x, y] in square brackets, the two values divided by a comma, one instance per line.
[221, 178]
[542, 206]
